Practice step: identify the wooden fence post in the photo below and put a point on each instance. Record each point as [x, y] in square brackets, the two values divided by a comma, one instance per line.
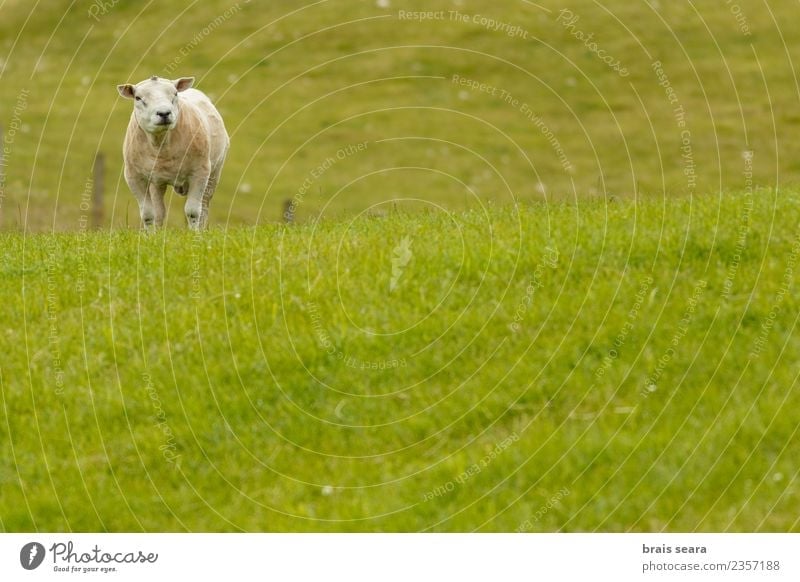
[288, 211]
[2, 176]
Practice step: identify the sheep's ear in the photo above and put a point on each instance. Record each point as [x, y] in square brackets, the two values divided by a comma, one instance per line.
[126, 90]
[183, 83]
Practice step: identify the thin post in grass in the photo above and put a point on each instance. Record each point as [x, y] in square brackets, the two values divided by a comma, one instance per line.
[98, 189]
[288, 211]
[2, 177]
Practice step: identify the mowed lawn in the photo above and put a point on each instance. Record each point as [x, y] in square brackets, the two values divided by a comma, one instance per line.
[577, 367]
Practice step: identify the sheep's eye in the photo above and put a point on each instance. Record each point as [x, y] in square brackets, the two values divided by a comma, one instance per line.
[138, 98]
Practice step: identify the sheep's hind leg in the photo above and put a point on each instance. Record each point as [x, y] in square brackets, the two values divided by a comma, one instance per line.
[208, 193]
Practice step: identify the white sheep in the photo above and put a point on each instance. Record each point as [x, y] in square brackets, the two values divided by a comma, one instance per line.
[175, 137]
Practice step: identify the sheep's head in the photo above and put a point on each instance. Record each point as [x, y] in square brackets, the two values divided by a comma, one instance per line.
[156, 102]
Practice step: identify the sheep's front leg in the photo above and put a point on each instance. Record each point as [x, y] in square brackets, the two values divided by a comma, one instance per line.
[139, 187]
[195, 202]
[157, 202]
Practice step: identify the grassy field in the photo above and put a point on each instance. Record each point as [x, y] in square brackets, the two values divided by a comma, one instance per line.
[492, 101]
[605, 365]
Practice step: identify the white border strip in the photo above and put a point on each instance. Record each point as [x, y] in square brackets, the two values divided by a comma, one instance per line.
[402, 557]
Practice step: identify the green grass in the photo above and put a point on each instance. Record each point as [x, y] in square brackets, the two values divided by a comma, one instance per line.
[170, 382]
[297, 82]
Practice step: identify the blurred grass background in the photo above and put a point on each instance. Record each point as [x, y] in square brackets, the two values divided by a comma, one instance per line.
[297, 82]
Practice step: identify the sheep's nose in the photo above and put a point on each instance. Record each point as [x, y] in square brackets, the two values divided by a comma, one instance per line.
[164, 114]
